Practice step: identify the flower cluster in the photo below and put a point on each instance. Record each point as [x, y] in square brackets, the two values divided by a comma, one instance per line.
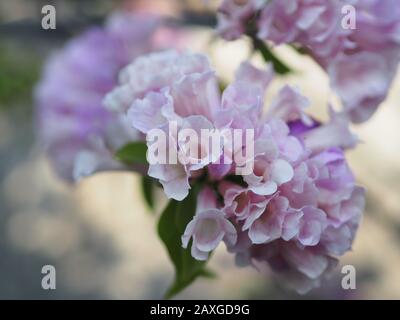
[79, 134]
[361, 60]
[296, 210]
[274, 186]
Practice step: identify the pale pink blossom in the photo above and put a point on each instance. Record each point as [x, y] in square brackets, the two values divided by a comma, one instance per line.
[174, 174]
[208, 227]
[362, 80]
[301, 268]
[274, 152]
[233, 15]
[335, 133]
[361, 62]
[290, 105]
[183, 74]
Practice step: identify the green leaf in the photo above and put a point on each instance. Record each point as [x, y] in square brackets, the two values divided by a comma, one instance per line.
[171, 227]
[300, 50]
[237, 180]
[19, 73]
[133, 153]
[148, 185]
[208, 273]
[279, 66]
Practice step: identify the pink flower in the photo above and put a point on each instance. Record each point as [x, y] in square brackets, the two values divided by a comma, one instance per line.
[179, 74]
[277, 221]
[280, 220]
[274, 150]
[335, 133]
[378, 24]
[182, 88]
[290, 105]
[312, 225]
[233, 15]
[301, 190]
[241, 203]
[298, 207]
[208, 227]
[301, 268]
[296, 218]
[335, 181]
[362, 80]
[344, 218]
[174, 174]
[252, 76]
[361, 62]
[166, 87]
[269, 175]
[244, 97]
[79, 135]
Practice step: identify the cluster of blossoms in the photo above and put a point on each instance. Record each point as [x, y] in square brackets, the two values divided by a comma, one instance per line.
[361, 61]
[296, 210]
[298, 207]
[80, 135]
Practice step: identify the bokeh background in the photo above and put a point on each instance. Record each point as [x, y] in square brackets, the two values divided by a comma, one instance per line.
[100, 235]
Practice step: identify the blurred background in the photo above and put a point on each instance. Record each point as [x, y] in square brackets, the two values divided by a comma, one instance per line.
[100, 236]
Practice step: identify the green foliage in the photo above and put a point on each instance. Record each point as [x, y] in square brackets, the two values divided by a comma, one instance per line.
[148, 189]
[17, 77]
[132, 153]
[279, 66]
[171, 227]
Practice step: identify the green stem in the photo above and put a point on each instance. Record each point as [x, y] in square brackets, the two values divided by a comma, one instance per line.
[279, 66]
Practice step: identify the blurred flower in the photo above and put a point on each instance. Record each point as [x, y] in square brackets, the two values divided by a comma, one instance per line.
[79, 134]
[361, 62]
